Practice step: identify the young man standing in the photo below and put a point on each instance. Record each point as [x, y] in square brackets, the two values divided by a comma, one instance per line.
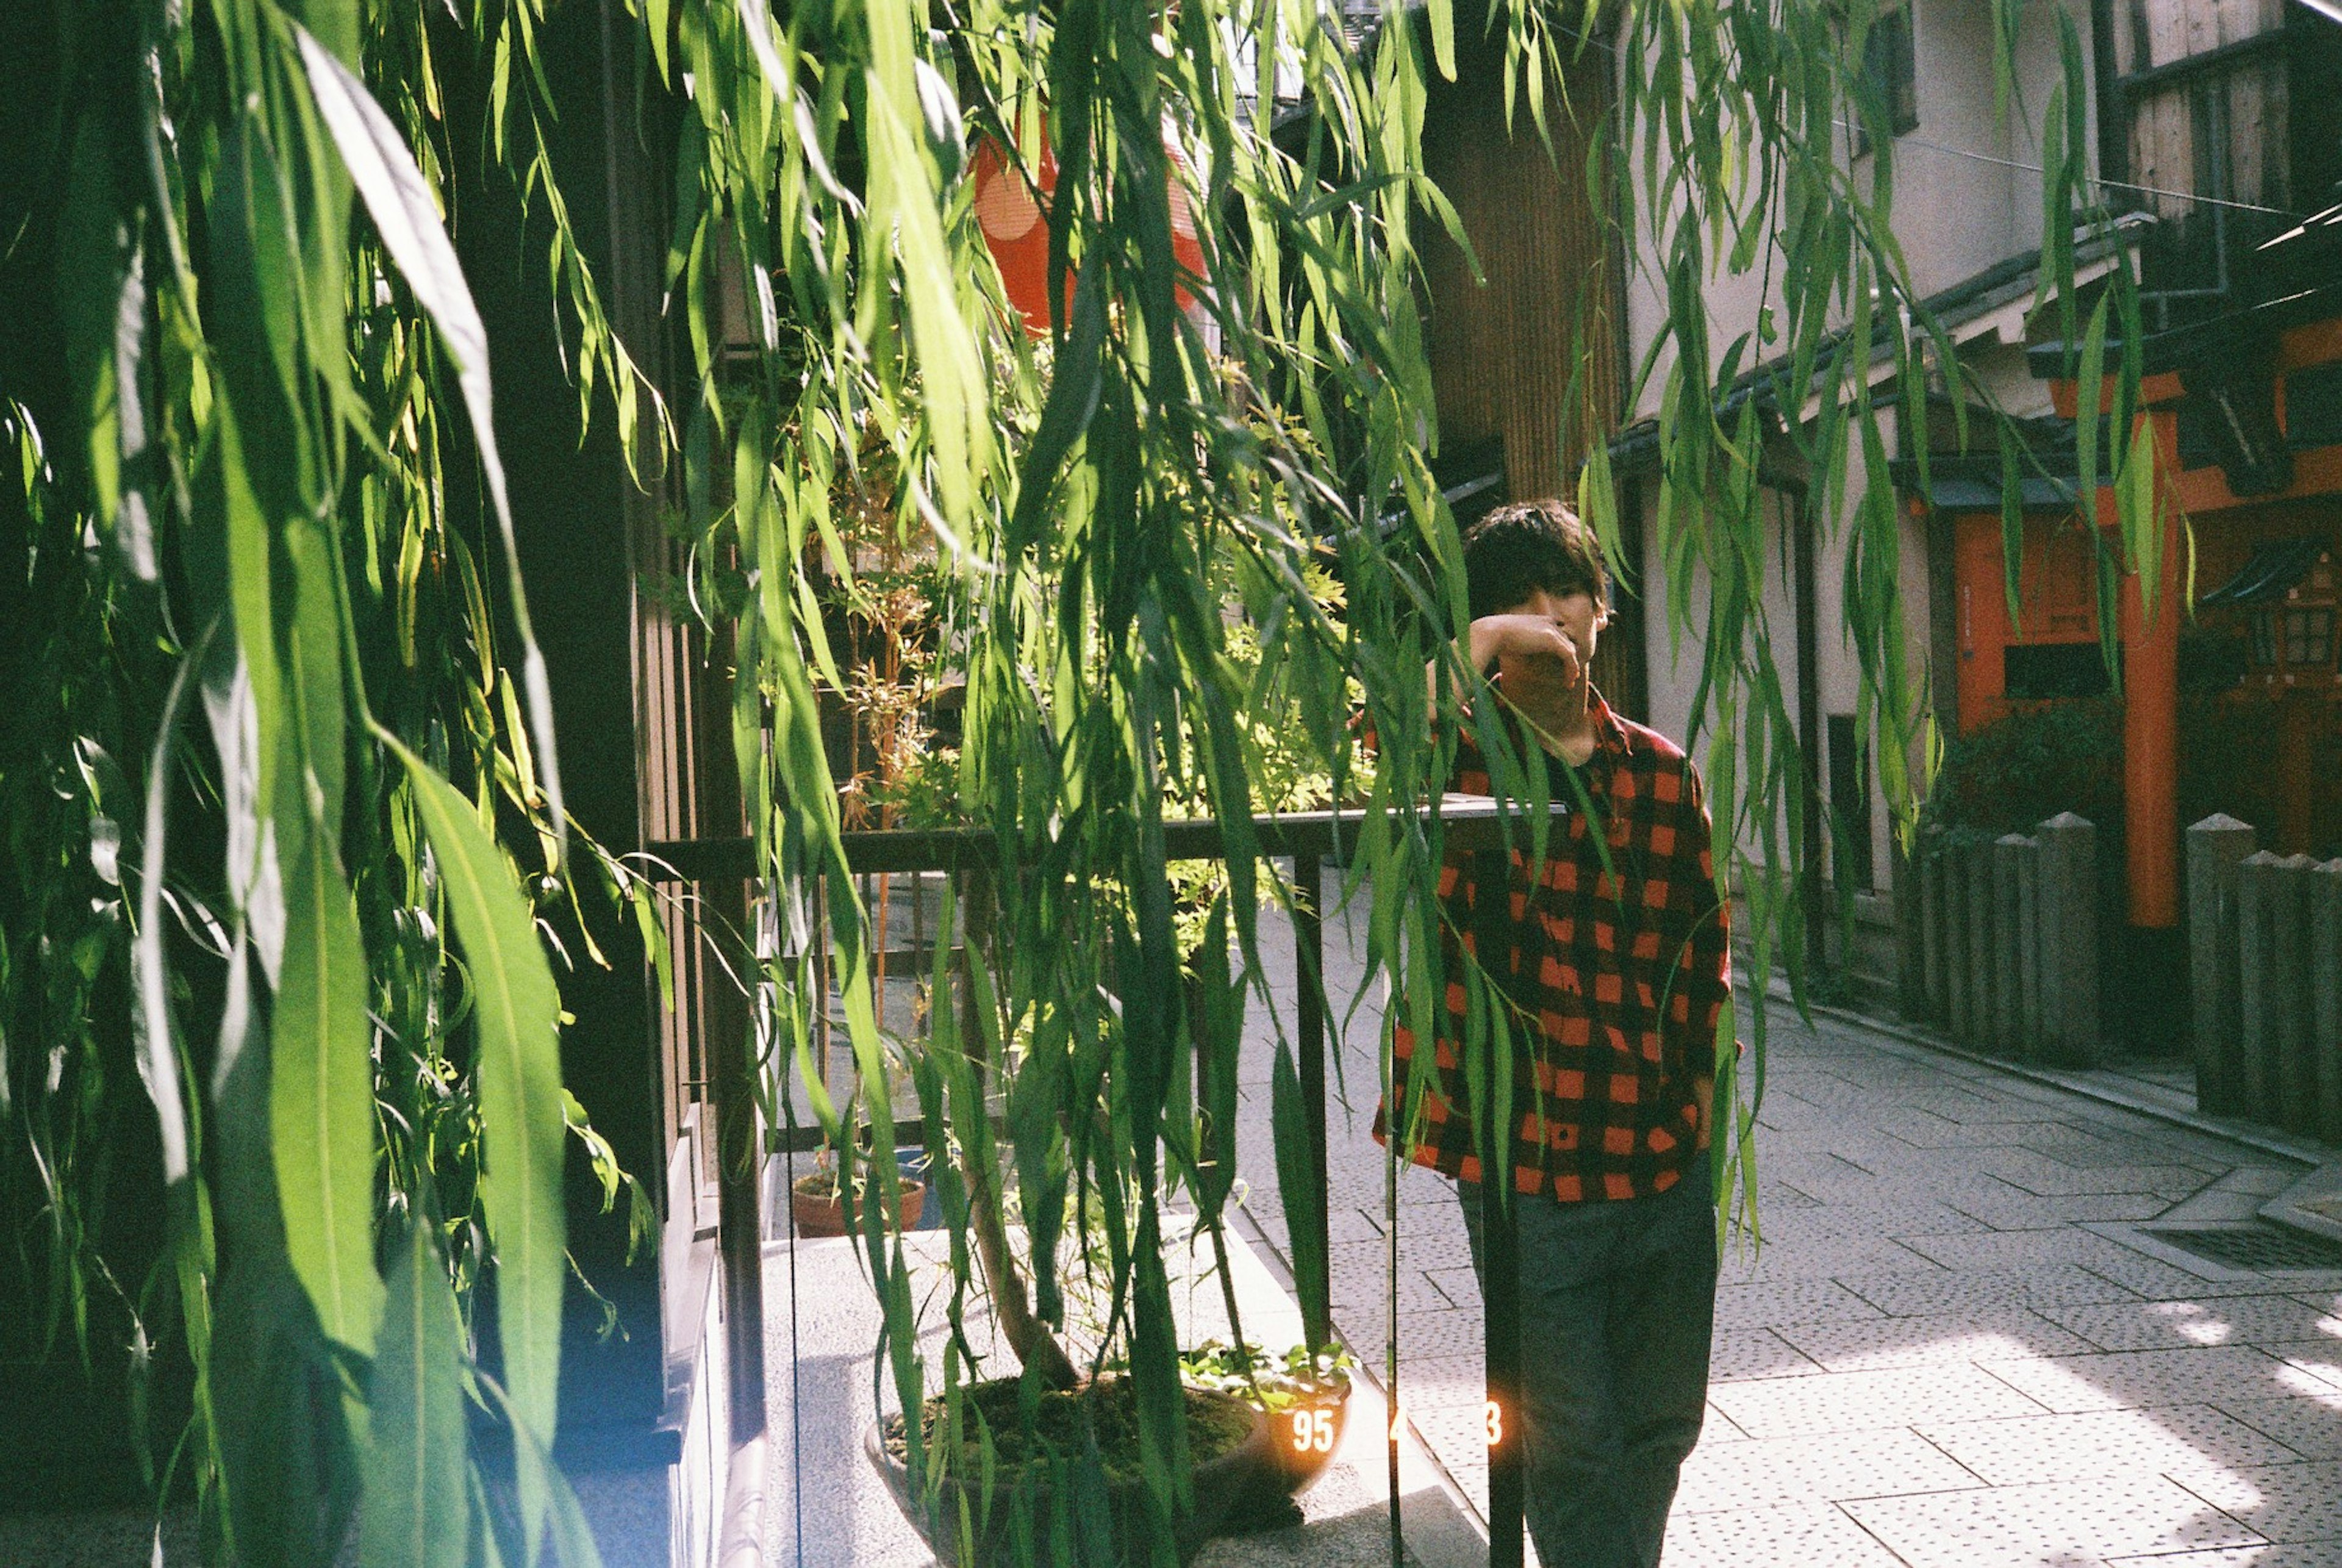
[1619, 977]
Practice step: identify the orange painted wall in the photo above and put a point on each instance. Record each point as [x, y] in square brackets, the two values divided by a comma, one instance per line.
[2225, 527]
[2057, 603]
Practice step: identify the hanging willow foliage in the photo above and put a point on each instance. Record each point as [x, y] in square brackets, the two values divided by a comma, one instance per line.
[1095, 649]
[288, 793]
[280, 808]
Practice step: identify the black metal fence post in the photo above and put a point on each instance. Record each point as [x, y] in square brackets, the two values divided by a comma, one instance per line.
[1310, 1010]
[1500, 1251]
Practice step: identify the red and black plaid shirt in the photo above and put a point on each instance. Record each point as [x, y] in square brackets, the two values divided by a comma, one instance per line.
[1625, 993]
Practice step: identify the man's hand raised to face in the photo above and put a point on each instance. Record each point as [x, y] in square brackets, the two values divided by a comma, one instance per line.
[1534, 642]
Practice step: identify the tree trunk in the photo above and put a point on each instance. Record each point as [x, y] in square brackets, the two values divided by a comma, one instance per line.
[1035, 1346]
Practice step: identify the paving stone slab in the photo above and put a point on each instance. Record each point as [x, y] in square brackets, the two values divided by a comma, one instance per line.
[1920, 1170]
[2119, 1379]
[2188, 1145]
[1814, 1172]
[1994, 1335]
[1826, 1259]
[1455, 1332]
[1366, 1292]
[1857, 1190]
[1738, 1354]
[1767, 1472]
[2162, 1440]
[1458, 1435]
[2009, 1209]
[1439, 1379]
[1870, 1147]
[1806, 1532]
[2177, 1275]
[1807, 1090]
[1834, 1404]
[2308, 1424]
[2050, 1523]
[1457, 1283]
[2218, 1320]
[1927, 1130]
[2019, 1249]
[1845, 1221]
[2320, 1358]
[2293, 1555]
[1969, 1291]
[2263, 1181]
[2079, 1144]
[2044, 1177]
[1972, 1107]
[2215, 1204]
[2301, 1502]
[1788, 1301]
[1350, 1224]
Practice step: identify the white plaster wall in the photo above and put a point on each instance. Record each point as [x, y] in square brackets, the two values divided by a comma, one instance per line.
[1967, 189]
[1967, 195]
[1673, 672]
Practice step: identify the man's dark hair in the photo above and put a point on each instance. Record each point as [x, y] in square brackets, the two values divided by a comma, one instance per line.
[1527, 546]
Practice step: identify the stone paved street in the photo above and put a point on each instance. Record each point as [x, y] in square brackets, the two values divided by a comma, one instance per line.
[1953, 1347]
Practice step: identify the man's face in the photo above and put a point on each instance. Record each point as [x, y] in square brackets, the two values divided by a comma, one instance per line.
[1578, 619]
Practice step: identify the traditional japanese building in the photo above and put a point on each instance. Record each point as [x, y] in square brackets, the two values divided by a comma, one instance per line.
[2221, 141]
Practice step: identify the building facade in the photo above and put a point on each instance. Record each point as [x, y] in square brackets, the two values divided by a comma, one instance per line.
[2215, 159]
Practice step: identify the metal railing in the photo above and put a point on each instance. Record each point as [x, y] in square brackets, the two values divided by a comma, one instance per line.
[1470, 825]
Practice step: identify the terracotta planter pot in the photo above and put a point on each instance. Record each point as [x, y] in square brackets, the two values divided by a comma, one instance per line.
[1301, 1440]
[1214, 1484]
[821, 1214]
[1304, 1435]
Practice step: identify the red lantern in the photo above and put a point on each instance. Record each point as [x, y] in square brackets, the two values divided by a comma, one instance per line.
[1017, 229]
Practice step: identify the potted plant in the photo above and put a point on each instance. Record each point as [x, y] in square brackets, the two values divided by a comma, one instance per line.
[819, 1205]
[1006, 1469]
[1305, 1396]
[998, 1073]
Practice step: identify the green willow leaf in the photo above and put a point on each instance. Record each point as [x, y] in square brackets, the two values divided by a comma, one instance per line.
[320, 1098]
[158, 1060]
[1305, 1202]
[519, 1010]
[405, 215]
[2141, 518]
[415, 1515]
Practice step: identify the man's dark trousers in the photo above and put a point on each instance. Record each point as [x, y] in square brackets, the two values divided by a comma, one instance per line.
[1618, 1306]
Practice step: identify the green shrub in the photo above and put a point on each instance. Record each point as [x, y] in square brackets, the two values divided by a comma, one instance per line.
[2008, 776]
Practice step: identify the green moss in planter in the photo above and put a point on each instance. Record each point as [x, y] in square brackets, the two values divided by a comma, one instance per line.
[1216, 1427]
[1017, 1520]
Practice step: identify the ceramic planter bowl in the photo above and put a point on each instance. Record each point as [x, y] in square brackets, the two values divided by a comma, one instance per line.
[815, 1202]
[1216, 1484]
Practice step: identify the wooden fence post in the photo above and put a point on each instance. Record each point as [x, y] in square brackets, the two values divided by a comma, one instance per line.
[1953, 878]
[2325, 981]
[2032, 1038]
[1910, 931]
[1928, 862]
[2215, 846]
[1984, 953]
[2069, 937]
[2255, 1003]
[2008, 942]
[2291, 996]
